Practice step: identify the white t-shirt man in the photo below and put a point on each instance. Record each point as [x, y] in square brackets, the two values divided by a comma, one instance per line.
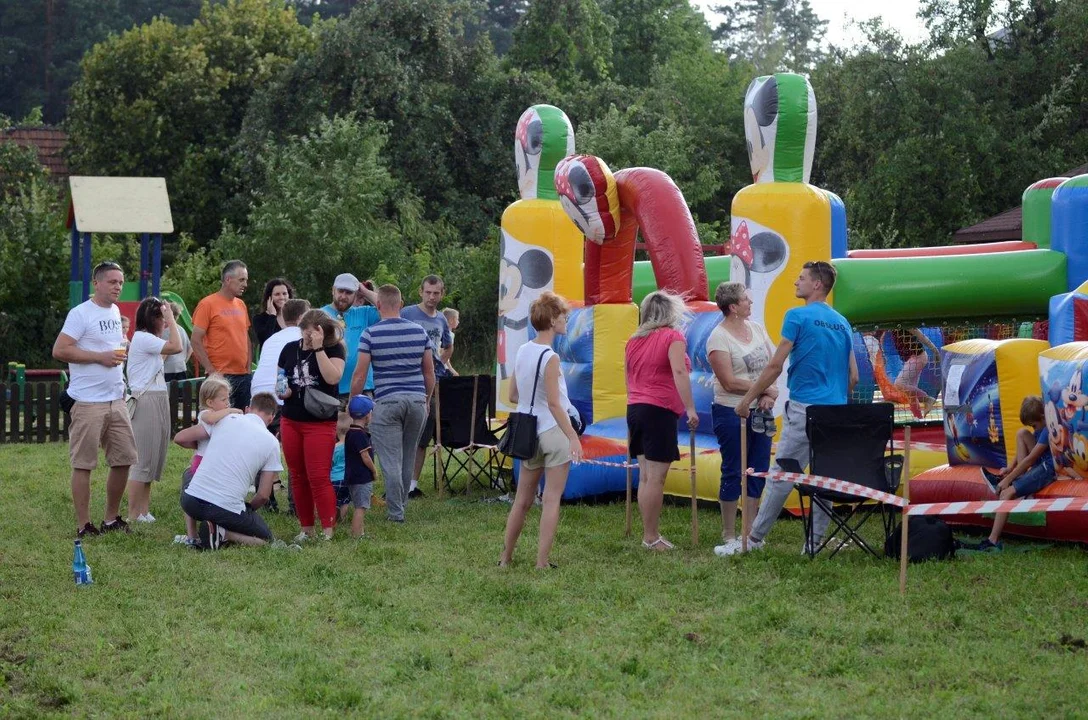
[264, 377]
[748, 358]
[145, 363]
[240, 447]
[95, 329]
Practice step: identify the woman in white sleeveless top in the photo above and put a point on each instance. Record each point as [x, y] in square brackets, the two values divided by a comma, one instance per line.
[538, 365]
[147, 383]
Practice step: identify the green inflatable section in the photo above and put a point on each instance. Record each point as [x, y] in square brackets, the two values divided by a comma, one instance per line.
[643, 283]
[959, 286]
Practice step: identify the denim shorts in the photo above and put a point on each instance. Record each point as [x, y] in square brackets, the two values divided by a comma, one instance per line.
[1035, 479]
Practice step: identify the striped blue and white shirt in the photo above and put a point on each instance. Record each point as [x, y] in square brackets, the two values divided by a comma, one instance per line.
[396, 348]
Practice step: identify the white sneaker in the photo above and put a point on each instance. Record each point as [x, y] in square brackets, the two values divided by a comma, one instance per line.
[737, 549]
[146, 518]
[301, 538]
[726, 548]
[278, 544]
[179, 539]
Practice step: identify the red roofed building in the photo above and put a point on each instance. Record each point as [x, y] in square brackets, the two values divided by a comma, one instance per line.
[49, 143]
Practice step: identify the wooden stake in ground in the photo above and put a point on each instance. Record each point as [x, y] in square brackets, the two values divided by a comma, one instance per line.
[627, 462]
[743, 485]
[440, 477]
[694, 497]
[906, 519]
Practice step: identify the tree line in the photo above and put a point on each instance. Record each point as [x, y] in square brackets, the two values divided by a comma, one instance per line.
[310, 137]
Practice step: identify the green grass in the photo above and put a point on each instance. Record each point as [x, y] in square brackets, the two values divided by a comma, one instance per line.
[418, 621]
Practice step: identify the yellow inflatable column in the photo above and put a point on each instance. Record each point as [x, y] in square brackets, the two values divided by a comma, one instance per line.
[777, 228]
[613, 325]
[540, 248]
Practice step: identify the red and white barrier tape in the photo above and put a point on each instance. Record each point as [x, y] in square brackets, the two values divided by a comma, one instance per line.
[832, 484]
[981, 507]
[605, 463]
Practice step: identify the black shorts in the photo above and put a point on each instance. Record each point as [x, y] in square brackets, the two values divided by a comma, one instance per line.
[247, 522]
[653, 432]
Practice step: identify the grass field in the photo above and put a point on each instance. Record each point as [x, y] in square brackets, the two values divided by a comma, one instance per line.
[418, 621]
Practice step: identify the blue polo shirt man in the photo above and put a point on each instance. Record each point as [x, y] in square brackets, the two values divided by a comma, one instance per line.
[354, 320]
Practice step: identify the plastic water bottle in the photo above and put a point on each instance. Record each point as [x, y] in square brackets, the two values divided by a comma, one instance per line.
[80, 569]
[281, 382]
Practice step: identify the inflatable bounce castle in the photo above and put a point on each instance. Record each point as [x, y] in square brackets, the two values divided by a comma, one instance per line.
[973, 329]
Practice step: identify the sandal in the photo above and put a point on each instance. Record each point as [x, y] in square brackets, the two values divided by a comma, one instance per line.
[660, 544]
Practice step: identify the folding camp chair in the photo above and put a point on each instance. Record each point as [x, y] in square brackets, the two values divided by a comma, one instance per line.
[461, 411]
[853, 443]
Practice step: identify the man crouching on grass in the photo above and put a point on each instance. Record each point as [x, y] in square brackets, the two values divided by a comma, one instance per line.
[239, 448]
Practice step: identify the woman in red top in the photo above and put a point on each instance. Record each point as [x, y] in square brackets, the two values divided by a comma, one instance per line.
[658, 393]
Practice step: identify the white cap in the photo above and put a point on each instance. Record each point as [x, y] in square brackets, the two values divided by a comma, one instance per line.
[346, 281]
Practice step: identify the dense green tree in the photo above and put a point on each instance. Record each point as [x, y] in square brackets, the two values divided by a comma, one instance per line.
[773, 35]
[449, 109]
[647, 33]
[920, 144]
[42, 41]
[569, 40]
[33, 255]
[164, 100]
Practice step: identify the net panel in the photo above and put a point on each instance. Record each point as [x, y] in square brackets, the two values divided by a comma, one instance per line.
[901, 363]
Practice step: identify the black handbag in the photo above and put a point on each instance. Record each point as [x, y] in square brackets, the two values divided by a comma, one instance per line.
[521, 440]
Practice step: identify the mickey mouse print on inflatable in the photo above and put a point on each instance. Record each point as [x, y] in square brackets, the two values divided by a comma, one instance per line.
[540, 249]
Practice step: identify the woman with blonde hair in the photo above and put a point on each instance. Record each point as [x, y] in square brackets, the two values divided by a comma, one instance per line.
[537, 386]
[313, 366]
[658, 393]
[738, 350]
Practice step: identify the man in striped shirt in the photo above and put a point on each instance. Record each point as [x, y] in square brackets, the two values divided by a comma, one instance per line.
[399, 351]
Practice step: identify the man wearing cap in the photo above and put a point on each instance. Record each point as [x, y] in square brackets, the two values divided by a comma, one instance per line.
[354, 319]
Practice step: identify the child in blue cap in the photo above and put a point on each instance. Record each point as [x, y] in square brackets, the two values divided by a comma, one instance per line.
[359, 471]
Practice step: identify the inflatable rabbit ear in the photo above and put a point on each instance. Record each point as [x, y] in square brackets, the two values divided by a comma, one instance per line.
[587, 191]
[544, 136]
[780, 127]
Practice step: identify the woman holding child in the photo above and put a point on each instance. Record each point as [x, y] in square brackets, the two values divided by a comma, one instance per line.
[313, 366]
[151, 417]
[538, 387]
[738, 350]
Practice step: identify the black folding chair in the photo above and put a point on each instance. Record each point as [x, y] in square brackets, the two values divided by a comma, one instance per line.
[462, 410]
[854, 443]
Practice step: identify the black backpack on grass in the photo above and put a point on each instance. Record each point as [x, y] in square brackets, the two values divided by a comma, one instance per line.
[929, 538]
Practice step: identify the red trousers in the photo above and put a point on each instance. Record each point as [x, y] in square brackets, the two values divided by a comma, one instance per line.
[308, 447]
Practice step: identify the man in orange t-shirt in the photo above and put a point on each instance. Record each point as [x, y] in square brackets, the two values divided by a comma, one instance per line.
[221, 332]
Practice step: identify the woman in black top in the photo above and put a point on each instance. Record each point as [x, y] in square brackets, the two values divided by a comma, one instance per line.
[269, 319]
[312, 365]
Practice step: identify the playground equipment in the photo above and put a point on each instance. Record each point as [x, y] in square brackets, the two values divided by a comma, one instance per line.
[972, 370]
[540, 250]
[997, 298]
[118, 205]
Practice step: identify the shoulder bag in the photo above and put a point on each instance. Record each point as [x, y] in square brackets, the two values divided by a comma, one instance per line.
[320, 404]
[131, 401]
[520, 440]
